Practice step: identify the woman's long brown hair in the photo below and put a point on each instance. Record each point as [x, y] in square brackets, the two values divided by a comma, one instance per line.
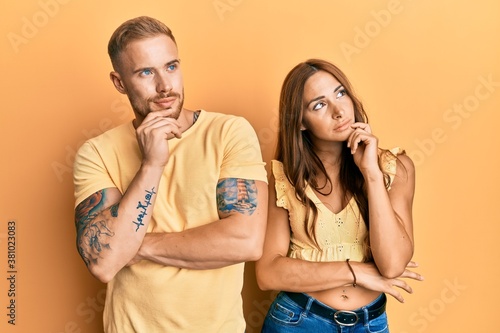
[295, 149]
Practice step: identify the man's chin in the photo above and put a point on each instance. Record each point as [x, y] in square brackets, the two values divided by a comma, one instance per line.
[172, 113]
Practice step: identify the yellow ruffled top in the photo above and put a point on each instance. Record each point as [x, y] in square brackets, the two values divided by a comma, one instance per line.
[339, 235]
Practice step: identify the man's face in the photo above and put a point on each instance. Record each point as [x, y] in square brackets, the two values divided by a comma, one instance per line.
[148, 72]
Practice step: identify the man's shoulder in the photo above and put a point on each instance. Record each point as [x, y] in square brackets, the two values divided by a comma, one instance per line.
[110, 137]
[224, 119]
[122, 130]
[218, 116]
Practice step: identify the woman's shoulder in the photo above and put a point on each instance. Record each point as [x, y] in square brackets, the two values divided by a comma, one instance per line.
[395, 160]
[277, 168]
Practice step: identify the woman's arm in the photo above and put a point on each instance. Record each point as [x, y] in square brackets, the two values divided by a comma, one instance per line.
[390, 212]
[391, 223]
[275, 271]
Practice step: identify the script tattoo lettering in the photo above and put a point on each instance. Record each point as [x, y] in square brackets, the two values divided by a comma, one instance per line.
[143, 207]
[237, 195]
[93, 234]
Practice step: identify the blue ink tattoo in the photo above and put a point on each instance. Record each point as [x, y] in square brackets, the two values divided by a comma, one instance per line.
[143, 208]
[93, 233]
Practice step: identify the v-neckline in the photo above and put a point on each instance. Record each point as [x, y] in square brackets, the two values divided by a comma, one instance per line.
[317, 200]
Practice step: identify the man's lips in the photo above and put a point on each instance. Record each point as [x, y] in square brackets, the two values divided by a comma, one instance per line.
[165, 103]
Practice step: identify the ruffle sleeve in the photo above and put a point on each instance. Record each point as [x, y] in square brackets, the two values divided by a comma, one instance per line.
[388, 162]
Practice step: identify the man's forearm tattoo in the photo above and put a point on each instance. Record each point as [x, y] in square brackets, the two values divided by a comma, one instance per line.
[93, 235]
[237, 195]
[143, 207]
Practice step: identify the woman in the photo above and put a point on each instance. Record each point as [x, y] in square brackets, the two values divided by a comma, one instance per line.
[340, 232]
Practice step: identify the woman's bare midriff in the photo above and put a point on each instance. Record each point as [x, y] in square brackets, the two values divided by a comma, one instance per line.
[346, 298]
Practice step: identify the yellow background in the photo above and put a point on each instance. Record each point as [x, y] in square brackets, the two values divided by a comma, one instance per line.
[427, 71]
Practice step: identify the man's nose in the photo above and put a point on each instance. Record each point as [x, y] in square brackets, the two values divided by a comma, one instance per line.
[163, 83]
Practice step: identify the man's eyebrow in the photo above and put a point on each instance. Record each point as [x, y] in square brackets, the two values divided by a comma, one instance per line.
[175, 61]
[320, 97]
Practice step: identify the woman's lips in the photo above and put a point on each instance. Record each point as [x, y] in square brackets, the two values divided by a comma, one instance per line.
[343, 126]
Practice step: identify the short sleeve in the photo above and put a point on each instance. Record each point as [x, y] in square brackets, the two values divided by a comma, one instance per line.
[281, 184]
[242, 155]
[89, 173]
[388, 162]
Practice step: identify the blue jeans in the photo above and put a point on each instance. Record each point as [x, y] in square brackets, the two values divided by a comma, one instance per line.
[286, 316]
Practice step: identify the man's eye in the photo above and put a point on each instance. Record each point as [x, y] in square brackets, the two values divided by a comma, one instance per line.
[172, 67]
[147, 72]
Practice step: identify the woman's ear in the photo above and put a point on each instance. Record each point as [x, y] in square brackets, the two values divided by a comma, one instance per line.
[117, 82]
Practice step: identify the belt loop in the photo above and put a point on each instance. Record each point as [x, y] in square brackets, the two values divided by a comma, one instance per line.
[366, 315]
[310, 301]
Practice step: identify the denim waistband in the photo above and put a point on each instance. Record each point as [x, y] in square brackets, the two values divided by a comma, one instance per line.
[341, 317]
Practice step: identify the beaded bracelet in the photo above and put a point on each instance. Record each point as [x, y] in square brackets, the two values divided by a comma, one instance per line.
[352, 271]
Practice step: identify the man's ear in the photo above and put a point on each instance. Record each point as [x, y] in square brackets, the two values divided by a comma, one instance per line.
[117, 82]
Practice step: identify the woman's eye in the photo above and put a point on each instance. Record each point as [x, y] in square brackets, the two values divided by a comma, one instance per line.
[341, 93]
[318, 106]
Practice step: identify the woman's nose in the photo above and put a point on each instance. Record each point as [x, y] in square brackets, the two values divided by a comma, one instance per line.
[337, 111]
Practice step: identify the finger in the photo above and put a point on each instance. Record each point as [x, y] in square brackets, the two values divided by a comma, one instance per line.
[158, 121]
[412, 264]
[396, 294]
[412, 275]
[165, 128]
[362, 126]
[160, 113]
[403, 285]
[155, 117]
[352, 139]
[176, 131]
[356, 139]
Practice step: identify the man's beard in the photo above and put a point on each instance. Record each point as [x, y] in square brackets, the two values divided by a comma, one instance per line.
[144, 111]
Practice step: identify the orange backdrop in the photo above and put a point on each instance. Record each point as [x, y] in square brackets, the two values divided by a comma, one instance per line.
[427, 71]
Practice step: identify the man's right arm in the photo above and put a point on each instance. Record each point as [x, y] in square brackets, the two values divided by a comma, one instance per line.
[110, 227]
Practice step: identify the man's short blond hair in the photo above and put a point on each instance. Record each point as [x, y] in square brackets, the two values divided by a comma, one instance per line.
[134, 29]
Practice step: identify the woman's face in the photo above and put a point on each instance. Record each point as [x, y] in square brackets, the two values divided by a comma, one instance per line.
[328, 111]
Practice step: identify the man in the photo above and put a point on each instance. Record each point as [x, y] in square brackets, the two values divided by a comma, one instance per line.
[171, 205]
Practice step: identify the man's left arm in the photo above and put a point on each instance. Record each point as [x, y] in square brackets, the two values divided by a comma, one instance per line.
[238, 236]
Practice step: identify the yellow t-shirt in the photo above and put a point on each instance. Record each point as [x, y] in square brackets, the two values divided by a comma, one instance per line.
[339, 235]
[148, 297]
